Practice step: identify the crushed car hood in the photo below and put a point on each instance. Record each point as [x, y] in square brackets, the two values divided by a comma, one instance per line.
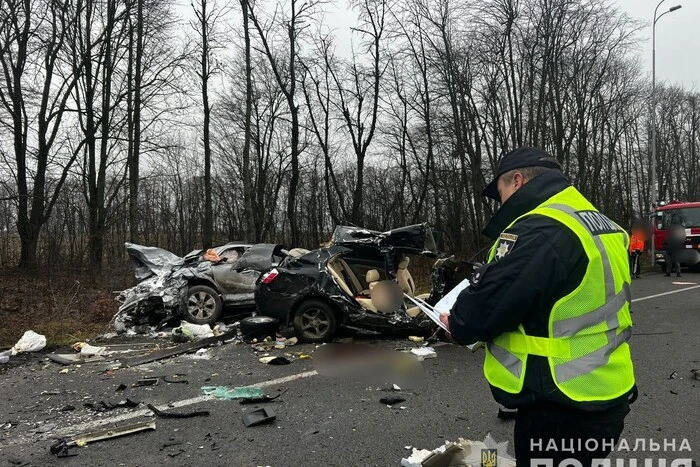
[260, 257]
[148, 260]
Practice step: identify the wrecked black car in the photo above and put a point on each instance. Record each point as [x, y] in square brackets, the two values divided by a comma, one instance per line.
[331, 287]
[195, 287]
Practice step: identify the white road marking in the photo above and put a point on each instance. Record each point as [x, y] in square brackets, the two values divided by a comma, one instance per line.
[665, 293]
[91, 425]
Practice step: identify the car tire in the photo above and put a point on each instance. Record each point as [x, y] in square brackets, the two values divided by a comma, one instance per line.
[203, 305]
[315, 321]
[259, 327]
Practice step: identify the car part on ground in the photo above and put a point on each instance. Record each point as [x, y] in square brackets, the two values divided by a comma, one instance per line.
[258, 328]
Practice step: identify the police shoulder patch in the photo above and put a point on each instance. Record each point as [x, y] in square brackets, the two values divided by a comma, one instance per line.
[506, 242]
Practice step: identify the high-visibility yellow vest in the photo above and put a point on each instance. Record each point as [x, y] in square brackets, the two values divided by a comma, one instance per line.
[586, 345]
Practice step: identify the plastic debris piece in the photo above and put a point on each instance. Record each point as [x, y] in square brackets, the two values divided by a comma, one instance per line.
[424, 352]
[199, 331]
[29, 342]
[673, 375]
[265, 398]
[392, 400]
[275, 360]
[175, 379]
[259, 417]
[395, 387]
[87, 350]
[223, 392]
[416, 338]
[162, 414]
[145, 382]
[181, 334]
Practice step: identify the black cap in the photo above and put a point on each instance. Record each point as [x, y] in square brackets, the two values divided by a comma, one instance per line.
[517, 159]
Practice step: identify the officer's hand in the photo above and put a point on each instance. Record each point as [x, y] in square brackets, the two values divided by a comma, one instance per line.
[444, 319]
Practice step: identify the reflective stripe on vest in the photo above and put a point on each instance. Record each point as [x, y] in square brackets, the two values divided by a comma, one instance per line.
[511, 349]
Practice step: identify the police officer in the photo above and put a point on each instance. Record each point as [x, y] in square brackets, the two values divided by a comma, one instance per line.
[552, 306]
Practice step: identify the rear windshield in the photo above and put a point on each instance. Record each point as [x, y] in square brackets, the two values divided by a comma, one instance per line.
[687, 217]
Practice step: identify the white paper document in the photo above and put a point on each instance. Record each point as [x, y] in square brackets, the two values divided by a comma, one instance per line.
[443, 306]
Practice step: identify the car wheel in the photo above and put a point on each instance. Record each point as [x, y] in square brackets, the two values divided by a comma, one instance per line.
[259, 327]
[315, 321]
[203, 305]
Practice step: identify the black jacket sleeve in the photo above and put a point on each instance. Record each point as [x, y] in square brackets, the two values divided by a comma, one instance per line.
[521, 286]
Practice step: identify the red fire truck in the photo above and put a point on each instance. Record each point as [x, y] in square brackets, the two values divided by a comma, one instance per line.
[688, 216]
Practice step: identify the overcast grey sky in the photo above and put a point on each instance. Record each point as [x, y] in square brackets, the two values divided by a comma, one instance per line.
[677, 39]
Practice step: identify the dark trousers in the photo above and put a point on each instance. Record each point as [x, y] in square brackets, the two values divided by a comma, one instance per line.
[634, 263]
[672, 262]
[537, 428]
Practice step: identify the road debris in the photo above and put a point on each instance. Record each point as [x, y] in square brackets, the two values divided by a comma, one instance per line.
[696, 373]
[264, 398]
[275, 360]
[461, 452]
[162, 414]
[173, 379]
[103, 406]
[65, 447]
[87, 350]
[223, 392]
[71, 359]
[145, 382]
[391, 400]
[259, 417]
[424, 352]
[177, 350]
[673, 375]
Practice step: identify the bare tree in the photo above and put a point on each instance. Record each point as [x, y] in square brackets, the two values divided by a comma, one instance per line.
[208, 16]
[40, 48]
[358, 84]
[285, 73]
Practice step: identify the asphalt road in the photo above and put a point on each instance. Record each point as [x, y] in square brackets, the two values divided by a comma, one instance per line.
[324, 421]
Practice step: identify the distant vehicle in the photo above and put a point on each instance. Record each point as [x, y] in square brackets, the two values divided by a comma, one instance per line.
[195, 287]
[686, 215]
[328, 288]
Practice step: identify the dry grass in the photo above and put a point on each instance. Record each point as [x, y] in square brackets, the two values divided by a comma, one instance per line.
[65, 306]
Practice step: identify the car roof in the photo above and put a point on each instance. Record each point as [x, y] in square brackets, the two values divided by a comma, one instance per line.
[416, 238]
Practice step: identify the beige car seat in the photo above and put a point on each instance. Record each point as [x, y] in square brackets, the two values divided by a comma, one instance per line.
[404, 277]
[372, 278]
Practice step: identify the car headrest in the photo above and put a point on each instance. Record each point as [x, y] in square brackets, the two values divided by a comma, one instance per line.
[403, 264]
[372, 276]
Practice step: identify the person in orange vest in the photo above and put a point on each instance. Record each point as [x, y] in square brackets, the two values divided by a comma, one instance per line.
[636, 248]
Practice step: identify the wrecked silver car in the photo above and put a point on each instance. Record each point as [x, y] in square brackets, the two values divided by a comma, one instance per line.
[195, 287]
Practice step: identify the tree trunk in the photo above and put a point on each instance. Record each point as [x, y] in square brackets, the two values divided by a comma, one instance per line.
[136, 136]
[248, 211]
